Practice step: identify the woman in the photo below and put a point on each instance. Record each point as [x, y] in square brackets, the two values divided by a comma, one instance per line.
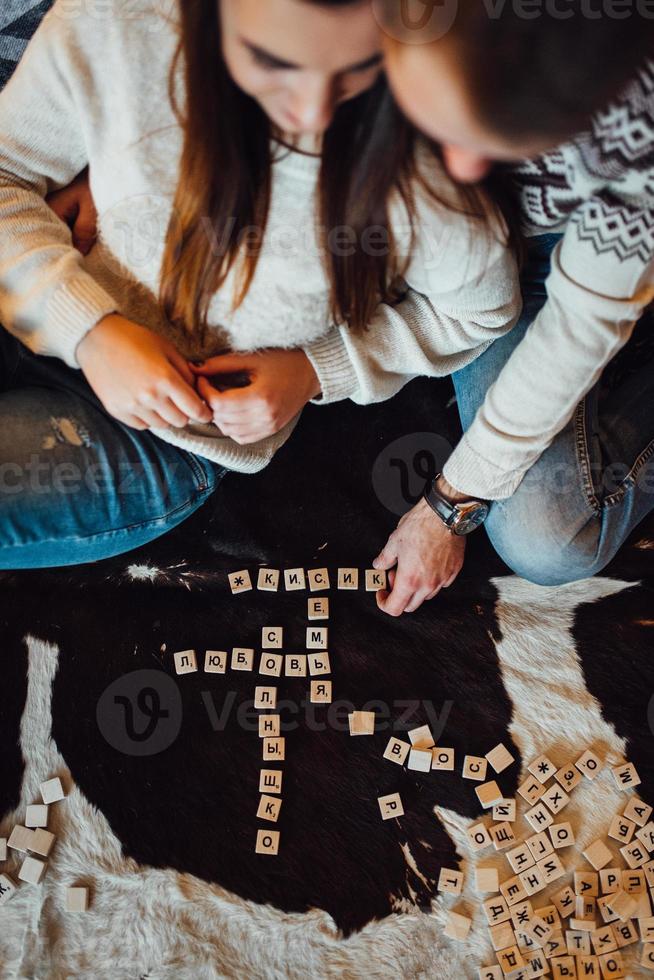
[267, 205]
[565, 461]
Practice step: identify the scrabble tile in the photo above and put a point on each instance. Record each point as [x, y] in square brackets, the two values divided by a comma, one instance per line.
[318, 579]
[318, 608]
[521, 913]
[500, 758]
[564, 900]
[420, 760]
[637, 811]
[589, 765]
[21, 839]
[390, 806]
[490, 973]
[539, 817]
[215, 662]
[542, 768]
[622, 905]
[561, 835]
[586, 907]
[348, 578]
[442, 759]
[185, 662]
[458, 926]
[265, 697]
[270, 781]
[555, 945]
[539, 930]
[510, 959]
[598, 855]
[295, 665]
[625, 933]
[269, 726]
[586, 884]
[604, 909]
[647, 959]
[320, 692]
[645, 835]
[611, 966]
[621, 829]
[563, 967]
[450, 881]
[555, 799]
[551, 868]
[537, 964]
[502, 936]
[474, 767]
[532, 880]
[271, 664]
[268, 580]
[316, 637]
[42, 842]
[479, 837]
[634, 854]
[505, 811]
[32, 870]
[540, 846]
[603, 940]
[610, 879]
[77, 899]
[578, 942]
[502, 836]
[488, 794]
[520, 858]
[396, 751]
[625, 776]
[496, 910]
[269, 807]
[568, 777]
[319, 664]
[513, 891]
[267, 842]
[531, 790]
[7, 889]
[646, 927]
[242, 659]
[274, 749]
[422, 737]
[36, 815]
[3, 848]
[487, 879]
[588, 966]
[240, 582]
[583, 925]
[649, 873]
[363, 723]
[294, 580]
[272, 638]
[375, 581]
[633, 882]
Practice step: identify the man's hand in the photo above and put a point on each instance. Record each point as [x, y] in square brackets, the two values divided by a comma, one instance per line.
[281, 384]
[428, 558]
[74, 205]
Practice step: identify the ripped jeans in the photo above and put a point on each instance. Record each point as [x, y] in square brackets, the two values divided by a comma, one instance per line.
[593, 485]
[76, 485]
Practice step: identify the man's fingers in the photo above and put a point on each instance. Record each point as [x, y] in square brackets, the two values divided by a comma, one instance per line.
[416, 602]
[386, 559]
[395, 602]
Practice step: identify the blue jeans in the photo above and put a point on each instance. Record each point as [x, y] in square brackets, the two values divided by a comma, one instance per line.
[75, 484]
[578, 503]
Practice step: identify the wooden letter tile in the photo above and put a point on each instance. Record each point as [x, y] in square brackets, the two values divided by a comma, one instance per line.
[316, 637]
[500, 758]
[458, 927]
[295, 665]
[269, 807]
[294, 580]
[479, 837]
[488, 794]
[348, 578]
[36, 815]
[272, 637]
[7, 889]
[474, 767]
[242, 659]
[390, 806]
[267, 842]
[589, 765]
[274, 749]
[215, 662]
[271, 664]
[637, 811]
[270, 781]
[598, 855]
[265, 697]
[77, 899]
[621, 829]
[531, 790]
[568, 777]
[542, 768]
[318, 579]
[319, 664]
[561, 835]
[487, 880]
[625, 776]
[268, 580]
[32, 870]
[320, 692]
[185, 662]
[318, 609]
[240, 582]
[396, 751]
[442, 759]
[362, 722]
[269, 726]
[450, 881]
[375, 581]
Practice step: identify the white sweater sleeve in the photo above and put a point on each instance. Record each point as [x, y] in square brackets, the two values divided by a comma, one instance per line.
[47, 299]
[463, 293]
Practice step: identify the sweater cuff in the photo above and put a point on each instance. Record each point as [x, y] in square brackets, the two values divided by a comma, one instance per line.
[75, 307]
[470, 473]
[330, 361]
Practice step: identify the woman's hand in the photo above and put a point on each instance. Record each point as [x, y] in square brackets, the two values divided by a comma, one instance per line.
[428, 559]
[74, 205]
[140, 378]
[281, 383]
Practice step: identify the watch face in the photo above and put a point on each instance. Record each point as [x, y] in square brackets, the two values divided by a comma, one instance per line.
[471, 517]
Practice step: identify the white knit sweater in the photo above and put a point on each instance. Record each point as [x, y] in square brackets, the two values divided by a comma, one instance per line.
[92, 89]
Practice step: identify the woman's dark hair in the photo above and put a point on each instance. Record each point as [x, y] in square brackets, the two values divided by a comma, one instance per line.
[544, 67]
[223, 192]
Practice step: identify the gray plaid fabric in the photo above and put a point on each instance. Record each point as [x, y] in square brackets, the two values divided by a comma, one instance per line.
[18, 21]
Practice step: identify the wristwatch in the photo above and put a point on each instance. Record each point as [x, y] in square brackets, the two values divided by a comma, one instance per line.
[461, 518]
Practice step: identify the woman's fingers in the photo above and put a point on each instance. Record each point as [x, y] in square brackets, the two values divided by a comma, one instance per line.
[188, 400]
[170, 413]
[225, 364]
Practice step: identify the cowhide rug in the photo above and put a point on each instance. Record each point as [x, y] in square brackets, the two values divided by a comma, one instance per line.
[163, 828]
